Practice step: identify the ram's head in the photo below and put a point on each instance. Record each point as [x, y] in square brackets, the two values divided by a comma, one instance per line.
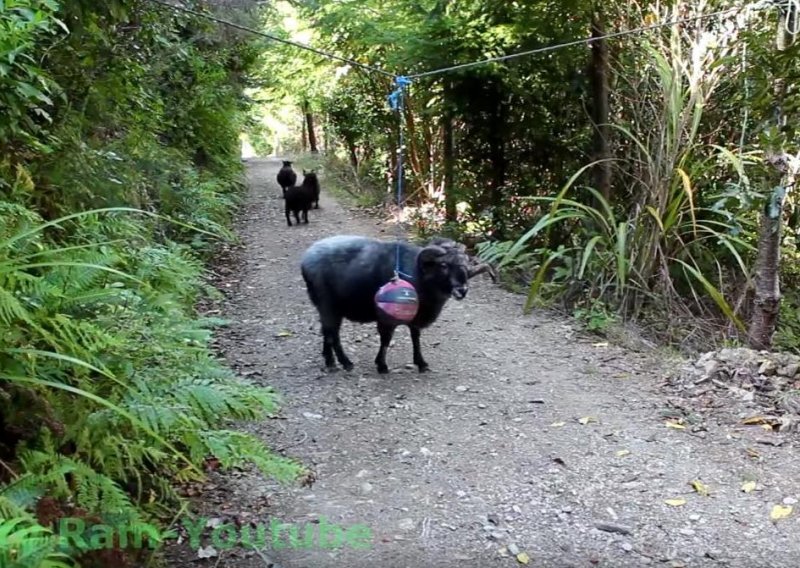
[445, 265]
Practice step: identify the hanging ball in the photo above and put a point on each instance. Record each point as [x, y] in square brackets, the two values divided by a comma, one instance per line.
[397, 302]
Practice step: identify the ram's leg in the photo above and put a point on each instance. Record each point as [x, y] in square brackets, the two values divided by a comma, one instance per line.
[347, 365]
[327, 347]
[418, 360]
[386, 332]
[331, 324]
[334, 345]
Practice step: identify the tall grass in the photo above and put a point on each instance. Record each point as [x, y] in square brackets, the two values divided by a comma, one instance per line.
[660, 239]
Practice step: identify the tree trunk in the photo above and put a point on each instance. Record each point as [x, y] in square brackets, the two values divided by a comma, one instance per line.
[352, 153]
[449, 158]
[391, 169]
[599, 79]
[312, 136]
[325, 135]
[303, 134]
[766, 304]
[412, 160]
[767, 281]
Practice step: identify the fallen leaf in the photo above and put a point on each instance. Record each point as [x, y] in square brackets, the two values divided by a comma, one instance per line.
[523, 558]
[622, 453]
[780, 512]
[601, 344]
[671, 424]
[753, 420]
[759, 420]
[699, 486]
[748, 486]
[586, 419]
[284, 333]
[207, 552]
[767, 427]
[557, 424]
[675, 502]
[752, 453]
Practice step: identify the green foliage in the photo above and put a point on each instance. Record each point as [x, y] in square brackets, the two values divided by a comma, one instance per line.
[119, 176]
[504, 114]
[25, 89]
[787, 336]
[684, 235]
[109, 390]
[26, 544]
[596, 317]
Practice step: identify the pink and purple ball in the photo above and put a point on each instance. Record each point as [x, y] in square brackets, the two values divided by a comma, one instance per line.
[397, 302]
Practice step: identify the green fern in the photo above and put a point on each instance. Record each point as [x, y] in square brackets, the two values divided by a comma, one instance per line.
[106, 324]
[235, 449]
[26, 544]
[109, 392]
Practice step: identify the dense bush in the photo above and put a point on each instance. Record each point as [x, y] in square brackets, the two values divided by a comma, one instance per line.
[120, 173]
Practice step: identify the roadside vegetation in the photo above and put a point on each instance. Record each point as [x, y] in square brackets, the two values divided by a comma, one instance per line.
[119, 175]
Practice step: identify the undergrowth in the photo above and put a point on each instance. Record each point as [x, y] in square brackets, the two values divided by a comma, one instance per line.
[675, 246]
[119, 177]
[109, 392]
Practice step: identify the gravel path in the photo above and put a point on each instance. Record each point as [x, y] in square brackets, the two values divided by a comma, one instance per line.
[526, 438]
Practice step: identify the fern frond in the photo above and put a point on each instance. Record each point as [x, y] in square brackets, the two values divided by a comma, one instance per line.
[70, 478]
[26, 544]
[235, 449]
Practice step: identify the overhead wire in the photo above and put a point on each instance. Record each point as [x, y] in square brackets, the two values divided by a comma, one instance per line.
[213, 18]
[545, 49]
[586, 40]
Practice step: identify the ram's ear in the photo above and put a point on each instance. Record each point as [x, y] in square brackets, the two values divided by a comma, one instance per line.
[431, 254]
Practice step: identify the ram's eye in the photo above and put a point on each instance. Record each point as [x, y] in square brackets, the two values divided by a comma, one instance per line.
[443, 264]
